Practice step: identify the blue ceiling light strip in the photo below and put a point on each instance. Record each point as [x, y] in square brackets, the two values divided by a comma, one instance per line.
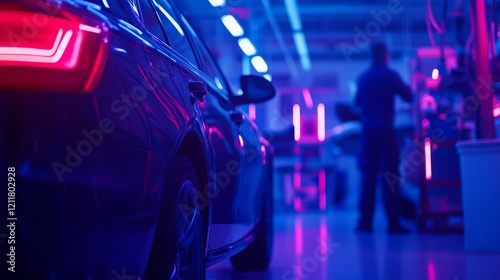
[245, 44]
[298, 35]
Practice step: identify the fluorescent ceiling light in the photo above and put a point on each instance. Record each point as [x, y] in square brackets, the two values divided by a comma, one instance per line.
[270, 78]
[259, 64]
[217, 3]
[305, 62]
[301, 45]
[247, 46]
[298, 36]
[293, 14]
[232, 25]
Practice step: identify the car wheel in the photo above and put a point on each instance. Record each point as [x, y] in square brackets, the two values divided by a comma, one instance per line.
[258, 254]
[178, 250]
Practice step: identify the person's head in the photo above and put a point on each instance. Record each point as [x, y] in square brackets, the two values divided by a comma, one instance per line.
[380, 54]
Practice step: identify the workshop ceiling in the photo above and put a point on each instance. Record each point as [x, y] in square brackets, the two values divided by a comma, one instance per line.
[333, 30]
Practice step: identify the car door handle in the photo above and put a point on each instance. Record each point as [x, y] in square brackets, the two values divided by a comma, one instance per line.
[238, 118]
[198, 90]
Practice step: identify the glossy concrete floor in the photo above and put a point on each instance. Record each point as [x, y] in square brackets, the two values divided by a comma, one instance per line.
[317, 246]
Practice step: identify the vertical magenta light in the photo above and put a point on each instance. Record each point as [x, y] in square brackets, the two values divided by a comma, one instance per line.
[296, 121]
[322, 190]
[298, 236]
[428, 159]
[323, 235]
[323, 250]
[297, 204]
[486, 127]
[252, 112]
[431, 271]
[307, 98]
[321, 122]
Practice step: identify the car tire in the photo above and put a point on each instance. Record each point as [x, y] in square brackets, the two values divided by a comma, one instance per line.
[257, 255]
[179, 246]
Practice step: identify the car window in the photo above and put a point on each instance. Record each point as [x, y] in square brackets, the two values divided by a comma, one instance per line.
[208, 64]
[176, 36]
[150, 20]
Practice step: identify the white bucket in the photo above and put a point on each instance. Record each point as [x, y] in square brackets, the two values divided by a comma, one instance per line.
[480, 168]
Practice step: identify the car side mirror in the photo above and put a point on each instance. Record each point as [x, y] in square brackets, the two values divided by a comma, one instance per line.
[254, 89]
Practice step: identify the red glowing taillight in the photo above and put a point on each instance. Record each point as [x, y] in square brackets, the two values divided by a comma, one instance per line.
[58, 52]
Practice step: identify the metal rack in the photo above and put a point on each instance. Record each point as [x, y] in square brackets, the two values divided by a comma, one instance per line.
[441, 122]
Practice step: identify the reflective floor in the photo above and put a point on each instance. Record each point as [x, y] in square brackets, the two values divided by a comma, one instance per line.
[319, 246]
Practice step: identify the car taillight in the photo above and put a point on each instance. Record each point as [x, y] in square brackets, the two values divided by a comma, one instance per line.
[57, 51]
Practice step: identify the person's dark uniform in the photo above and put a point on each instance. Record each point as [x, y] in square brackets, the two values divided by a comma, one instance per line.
[377, 88]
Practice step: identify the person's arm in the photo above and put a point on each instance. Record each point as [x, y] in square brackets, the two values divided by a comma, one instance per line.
[403, 89]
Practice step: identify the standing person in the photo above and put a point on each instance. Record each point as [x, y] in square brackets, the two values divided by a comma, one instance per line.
[377, 88]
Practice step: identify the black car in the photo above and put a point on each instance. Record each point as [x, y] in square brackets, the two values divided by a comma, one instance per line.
[123, 146]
